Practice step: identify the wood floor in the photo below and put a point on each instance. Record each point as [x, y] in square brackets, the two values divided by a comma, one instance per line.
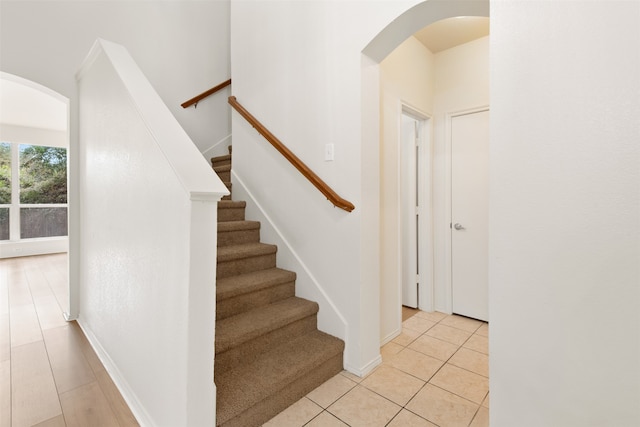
[49, 374]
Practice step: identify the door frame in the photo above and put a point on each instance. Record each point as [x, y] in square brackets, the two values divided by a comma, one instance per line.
[448, 258]
[425, 224]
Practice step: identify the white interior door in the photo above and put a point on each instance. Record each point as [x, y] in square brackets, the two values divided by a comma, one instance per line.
[470, 214]
[409, 200]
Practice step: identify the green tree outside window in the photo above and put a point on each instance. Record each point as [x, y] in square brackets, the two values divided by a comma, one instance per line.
[43, 174]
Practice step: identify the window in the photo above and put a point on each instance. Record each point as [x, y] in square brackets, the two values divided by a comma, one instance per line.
[33, 191]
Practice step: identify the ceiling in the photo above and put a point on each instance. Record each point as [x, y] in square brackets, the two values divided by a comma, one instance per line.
[448, 33]
[23, 105]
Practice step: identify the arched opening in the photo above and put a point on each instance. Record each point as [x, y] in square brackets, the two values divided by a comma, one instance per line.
[34, 143]
[375, 53]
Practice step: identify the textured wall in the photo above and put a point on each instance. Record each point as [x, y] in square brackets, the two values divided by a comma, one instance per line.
[565, 214]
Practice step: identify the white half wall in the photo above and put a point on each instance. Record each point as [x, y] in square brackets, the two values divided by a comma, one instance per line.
[565, 214]
[182, 47]
[147, 266]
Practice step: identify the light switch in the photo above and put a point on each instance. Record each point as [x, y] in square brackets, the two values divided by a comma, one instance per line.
[328, 152]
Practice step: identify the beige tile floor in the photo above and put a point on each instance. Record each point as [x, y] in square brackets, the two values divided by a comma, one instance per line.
[436, 373]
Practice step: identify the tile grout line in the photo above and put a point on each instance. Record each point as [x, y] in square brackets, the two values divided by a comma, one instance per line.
[438, 370]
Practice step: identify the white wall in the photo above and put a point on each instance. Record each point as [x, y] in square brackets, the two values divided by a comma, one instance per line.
[297, 67]
[565, 214]
[148, 203]
[182, 47]
[461, 83]
[406, 77]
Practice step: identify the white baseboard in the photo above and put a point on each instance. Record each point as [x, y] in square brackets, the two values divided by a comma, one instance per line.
[390, 336]
[29, 247]
[366, 369]
[127, 393]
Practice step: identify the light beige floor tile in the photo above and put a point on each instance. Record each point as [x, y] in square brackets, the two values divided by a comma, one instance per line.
[415, 363]
[442, 408]
[19, 293]
[25, 328]
[87, 406]
[434, 316]
[393, 384]
[5, 336]
[449, 334]
[362, 407]
[5, 393]
[460, 322]
[471, 360]
[331, 390]
[49, 312]
[418, 324]
[406, 337]
[481, 419]
[483, 330]
[466, 384]
[409, 419]
[33, 391]
[296, 415]
[116, 401]
[485, 402]
[434, 347]
[389, 349]
[478, 343]
[326, 419]
[53, 422]
[70, 368]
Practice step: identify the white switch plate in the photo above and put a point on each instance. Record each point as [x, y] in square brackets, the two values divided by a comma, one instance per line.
[328, 152]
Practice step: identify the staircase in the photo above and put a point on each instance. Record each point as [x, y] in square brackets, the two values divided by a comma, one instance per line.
[269, 352]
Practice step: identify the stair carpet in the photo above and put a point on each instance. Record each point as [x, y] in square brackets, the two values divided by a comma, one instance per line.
[269, 352]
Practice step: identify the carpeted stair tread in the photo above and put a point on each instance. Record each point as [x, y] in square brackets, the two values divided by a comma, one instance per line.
[231, 210]
[246, 386]
[221, 160]
[236, 330]
[229, 226]
[224, 172]
[238, 232]
[269, 352]
[222, 168]
[245, 250]
[234, 286]
[232, 204]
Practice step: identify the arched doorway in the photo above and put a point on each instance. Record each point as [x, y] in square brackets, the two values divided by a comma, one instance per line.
[34, 141]
[392, 36]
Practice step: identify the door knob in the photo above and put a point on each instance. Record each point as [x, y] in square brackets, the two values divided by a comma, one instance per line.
[458, 226]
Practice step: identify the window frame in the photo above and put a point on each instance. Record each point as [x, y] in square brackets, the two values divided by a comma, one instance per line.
[15, 206]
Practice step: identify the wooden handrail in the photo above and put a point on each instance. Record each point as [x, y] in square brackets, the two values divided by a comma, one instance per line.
[331, 195]
[203, 95]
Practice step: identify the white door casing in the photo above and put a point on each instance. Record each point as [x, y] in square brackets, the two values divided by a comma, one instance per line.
[469, 213]
[409, 202]
[415, 228]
